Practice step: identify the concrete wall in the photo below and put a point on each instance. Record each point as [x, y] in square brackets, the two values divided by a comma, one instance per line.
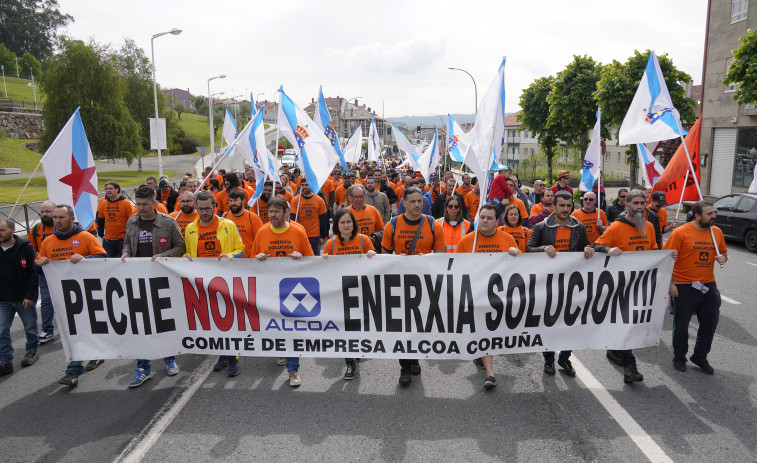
[21, 124]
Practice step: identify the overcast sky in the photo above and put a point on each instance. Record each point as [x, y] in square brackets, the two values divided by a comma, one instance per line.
[394, 53]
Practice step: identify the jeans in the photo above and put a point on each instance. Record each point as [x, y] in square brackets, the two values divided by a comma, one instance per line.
[147, 365]
[315, 243]
[47, 311]
[75, 367]
[28, 318]
[293, 364]
[691, 301]
[550, 356]
[114, 248]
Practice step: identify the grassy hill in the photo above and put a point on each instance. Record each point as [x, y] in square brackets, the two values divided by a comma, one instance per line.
[197, 126]
[18, 89]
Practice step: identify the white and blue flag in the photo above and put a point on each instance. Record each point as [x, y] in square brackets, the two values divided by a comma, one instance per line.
[229, 130]
[354, 146]
[593, 159]
[323, 119]
[487, 136]
[374, 148]
[411, 153]
[457, 142]
[429, 160]
[309, 141]
[252, 145]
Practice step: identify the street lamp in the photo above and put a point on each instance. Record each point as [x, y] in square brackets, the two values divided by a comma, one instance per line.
[236, 105]
[257, 98]
[210, 110]
[5, 89]
[475, 89]
[347, 133]
[173, 31]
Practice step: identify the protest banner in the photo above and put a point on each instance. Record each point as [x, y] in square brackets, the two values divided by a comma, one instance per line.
[433, 306]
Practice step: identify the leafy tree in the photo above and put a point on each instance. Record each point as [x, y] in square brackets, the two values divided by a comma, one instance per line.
[617, 87]
[201, 104]
[84, 75]
[534, 116]
[30, 26]
[572, 107]
[743, 70]
[8, 60]
[30, 65]
[179, 108]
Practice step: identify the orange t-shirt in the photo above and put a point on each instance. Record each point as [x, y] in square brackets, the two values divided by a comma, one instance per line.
[589, 219]
[405, 233]
[115, 213]
[520, 234]
[222, 199]
[627, 237]
[207, 240]
[400, 190]
[521, 206]
[340, 195]
[471, 202]
[368, 220]
[183, 219]
[465, 190]
[353, 246]
[309, 213]
[261, 209]
[435, 192]
[83, 243]
[535, 210]
[562, 239]
[281, 242]
[696, 253]
[248, 223]
[663, 214]
[327, 188]
[286, 195]
[498, 242]
[42, 233]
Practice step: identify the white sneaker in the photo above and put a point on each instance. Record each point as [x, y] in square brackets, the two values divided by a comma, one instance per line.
[294, 379]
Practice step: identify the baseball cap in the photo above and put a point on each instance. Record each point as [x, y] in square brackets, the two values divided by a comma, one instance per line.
[563, 173]
[659, 196]
[163, 185]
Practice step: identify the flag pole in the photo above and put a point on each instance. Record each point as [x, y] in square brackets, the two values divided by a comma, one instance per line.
[683, 191]
[276, 145]
[24, 188]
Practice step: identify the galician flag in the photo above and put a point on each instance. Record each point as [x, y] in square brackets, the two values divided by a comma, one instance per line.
[323, 119]
[318, 156]
[70, 171]
[651, 116]
[593, 158]
[429, 160]
[252, 145]
[374, 149]
[354, 146]
[229, 129]
[650, 166]
[411, 153]
[457, 143]
[487, 136]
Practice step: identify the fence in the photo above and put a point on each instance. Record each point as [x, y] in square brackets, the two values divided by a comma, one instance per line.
[15, 103]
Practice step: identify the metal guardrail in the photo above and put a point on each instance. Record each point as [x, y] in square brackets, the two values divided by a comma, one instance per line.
[15, 103]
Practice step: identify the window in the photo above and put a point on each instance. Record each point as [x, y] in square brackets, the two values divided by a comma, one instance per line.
[607, 157]
[746, 157]
[727, 203]
[738, 10]
[618, 157]
[746, 204]
[729, 88]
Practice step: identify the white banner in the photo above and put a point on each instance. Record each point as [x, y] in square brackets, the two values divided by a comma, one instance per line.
[435, 306]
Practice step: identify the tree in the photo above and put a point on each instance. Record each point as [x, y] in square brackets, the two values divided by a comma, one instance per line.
[179, 108]
[572, 105]
[8, 60]
[84, 75]
[201, 104]
[534, 116]
[617, 87]
[30, 26]
[743, 70]
[30, 65]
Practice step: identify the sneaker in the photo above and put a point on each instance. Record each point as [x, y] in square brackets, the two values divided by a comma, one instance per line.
[69, 380]
[549, 368]
[567, 367]
[45, 337]
[30, 358]
[615, 358]
[351, 370]
[294, 379]
[479, 363]
[631, 374]
[415, 369]
[703, 364]
[233, 367]
[140, 377]
[6, 368]
[679, 365]
[93, 364]
[222, 363]
[490, 382]
[172, 368]
[405, 377]
[281, 361]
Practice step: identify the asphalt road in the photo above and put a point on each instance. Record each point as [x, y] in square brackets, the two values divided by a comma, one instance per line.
[445, 415]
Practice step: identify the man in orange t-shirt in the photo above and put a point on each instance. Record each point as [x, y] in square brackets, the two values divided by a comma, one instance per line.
[248, 223]
[260, 207]
[369, 221]
[309, 210]
[231, 182]
[560, 232]
[112, 213]
[340, 195]
[587, 215]
[693, 287]
[186, 213]
[466, 187]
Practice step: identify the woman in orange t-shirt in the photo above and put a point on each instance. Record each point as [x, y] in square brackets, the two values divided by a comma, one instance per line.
[347, 240]
[514, 228]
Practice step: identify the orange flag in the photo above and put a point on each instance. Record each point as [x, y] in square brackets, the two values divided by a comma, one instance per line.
[671, 180]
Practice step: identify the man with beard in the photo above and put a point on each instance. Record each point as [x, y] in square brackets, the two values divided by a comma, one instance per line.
[466, 187]
[340, 195]
[543, 209]
[166, 195]
[187, 213]
[309, 210]
[379, 181]
[369, 220]
[112, 213]
[261, 205]
[630, 232]
[39, 232]
[693, 287]
[248, 223]
[231, 182]
[377, 199]
[560, 232]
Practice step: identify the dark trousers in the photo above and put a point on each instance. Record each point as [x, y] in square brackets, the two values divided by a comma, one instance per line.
[114, 248]
[550, 356]
[691, 301]
[627, 356]
[405, 364]
[315, 243]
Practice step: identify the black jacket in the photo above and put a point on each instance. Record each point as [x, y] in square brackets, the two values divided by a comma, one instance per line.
[654, 219]
[391, 195]
[545, 232]
[437, 209]
[614, 211]
[18, 268]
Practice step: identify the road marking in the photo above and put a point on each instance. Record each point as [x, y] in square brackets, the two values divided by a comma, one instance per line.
[729, 300]
[749, 263]
[142, 442]
[642, 440]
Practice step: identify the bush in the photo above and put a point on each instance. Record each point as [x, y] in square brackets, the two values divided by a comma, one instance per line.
[183, 143]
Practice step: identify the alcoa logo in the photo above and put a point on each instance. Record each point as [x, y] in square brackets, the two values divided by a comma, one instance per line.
[299, 297]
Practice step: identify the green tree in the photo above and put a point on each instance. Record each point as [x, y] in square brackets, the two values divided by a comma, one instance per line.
[743, 70]
[30, 65]
[201, 104]
[30, 26]
[534, 116]
[572, 105]
[8, 60]
[617, 87]
[179, 108]
[84, 75]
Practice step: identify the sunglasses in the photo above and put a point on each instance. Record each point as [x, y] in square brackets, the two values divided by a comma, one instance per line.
[452, 206]
[622, 197]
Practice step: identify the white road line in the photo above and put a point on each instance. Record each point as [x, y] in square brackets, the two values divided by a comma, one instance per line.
[642, 440]
[729, 300]
[749, 263]
[142, 442]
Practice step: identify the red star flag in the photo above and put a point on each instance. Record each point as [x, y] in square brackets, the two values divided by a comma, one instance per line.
[70, 171]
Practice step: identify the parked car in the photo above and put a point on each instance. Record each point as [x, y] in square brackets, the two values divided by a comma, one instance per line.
[288, 157]
[737, 217]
